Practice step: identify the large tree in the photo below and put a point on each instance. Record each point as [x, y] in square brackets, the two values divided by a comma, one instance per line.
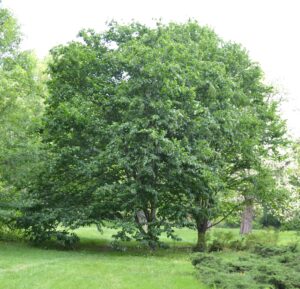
[21, 94]
[150, 128]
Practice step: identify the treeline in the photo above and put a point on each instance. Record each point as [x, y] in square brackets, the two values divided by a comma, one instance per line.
[144, 129]
[21, 106]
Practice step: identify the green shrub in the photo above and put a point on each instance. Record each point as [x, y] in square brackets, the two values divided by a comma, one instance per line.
[266, 267]
[269, 237]
[293, 224]
[9, 234]
[270, 251]
[66, 239]
[269, 220]
[221, 241]
[227, 240]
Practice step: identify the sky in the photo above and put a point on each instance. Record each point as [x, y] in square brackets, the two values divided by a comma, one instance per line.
[268, 29]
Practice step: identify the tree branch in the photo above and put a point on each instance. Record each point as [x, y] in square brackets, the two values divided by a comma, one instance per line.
[227, 215]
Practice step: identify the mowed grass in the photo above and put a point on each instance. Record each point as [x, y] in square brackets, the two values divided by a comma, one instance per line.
[96, 265]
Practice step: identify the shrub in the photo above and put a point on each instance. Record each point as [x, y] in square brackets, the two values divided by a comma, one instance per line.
[269, 220]
[266, 267]
[269, 237]
[8, 231]
[227, 240]
[221, 241]
[292, 224]
[9, 234]
[66, 239]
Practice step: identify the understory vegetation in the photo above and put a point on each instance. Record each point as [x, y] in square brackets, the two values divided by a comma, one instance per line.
[260, 268]
[258, 261]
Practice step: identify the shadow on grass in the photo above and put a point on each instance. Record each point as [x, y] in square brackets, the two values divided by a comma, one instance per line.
[132, 248]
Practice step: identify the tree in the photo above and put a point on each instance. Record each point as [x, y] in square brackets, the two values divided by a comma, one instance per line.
[267, 189]
[290, 217]
[150, 128]
[21, 95]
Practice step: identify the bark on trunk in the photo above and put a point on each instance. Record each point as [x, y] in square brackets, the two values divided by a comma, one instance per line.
[247, 217]
[146, 224]
[142, 220]
[202, 227]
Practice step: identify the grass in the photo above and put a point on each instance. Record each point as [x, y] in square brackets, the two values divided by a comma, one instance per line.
[95, 265]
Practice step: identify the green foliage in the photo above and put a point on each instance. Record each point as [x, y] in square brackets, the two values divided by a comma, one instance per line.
[9, 33]
[227, 240]
[21, 93]
[291, 218]
[222, 241]
[264, 238]
[293, 223]
[267, 267]
[153, 128]
[270, 220]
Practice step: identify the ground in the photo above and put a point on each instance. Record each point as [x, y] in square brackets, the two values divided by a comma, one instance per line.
[95, 265]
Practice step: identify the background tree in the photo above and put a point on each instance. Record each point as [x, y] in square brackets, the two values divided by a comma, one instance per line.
[21, 94]
[290, 217]
[260, 137]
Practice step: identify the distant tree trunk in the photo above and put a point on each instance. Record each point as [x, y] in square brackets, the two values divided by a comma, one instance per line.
[142, 220]
[247, 217]
[146, 221]
[202, 226]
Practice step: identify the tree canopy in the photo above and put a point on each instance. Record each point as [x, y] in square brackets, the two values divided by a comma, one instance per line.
[21, 95]
[151, 128]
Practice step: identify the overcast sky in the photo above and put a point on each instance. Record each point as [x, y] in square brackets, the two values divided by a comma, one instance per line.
[268, 29]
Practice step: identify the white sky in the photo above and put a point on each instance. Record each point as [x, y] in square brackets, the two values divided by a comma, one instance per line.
[269, 29]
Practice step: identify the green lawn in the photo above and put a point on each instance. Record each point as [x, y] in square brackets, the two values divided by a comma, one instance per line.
[94, 264]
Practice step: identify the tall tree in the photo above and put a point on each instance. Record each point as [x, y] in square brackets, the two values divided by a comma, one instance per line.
[21, 94]
[150, 128]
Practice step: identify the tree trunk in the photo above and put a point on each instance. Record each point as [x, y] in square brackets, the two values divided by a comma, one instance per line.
[142, 220]
[202, 227]
[146, 224]
[247, 217]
